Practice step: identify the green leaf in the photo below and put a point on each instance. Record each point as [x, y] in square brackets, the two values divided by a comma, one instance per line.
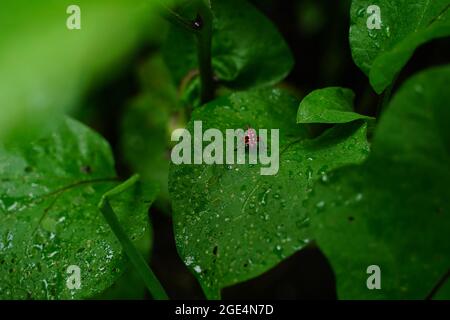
[46, 68]
[145, 140]
[405, 25]
[444, 291]
[247, 49]
[329, 105]
[393, 210]
[130, 285]
[232, 223]
[48, 210]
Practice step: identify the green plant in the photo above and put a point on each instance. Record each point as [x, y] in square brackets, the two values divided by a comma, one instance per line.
[365, 190]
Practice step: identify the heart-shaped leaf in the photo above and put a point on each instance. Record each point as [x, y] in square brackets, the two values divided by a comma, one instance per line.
[48, 209]
[384, 34]
[329, 105]
[231, 222]
[393, 210]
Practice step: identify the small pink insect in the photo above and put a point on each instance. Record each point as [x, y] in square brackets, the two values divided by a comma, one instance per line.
[251, 139]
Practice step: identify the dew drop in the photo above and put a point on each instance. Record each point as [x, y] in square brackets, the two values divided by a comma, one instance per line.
[197, 269]
[320, 204]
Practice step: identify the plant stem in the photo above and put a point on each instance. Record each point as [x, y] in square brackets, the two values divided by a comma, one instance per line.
[438, 286]
[174, 18]
[154, 286]
[201, 27]
[204, 45]
[384, 99]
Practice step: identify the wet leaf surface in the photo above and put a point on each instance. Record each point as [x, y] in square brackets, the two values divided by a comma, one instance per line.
[49, 217]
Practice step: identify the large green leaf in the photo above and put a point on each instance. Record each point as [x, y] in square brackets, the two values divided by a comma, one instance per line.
[232, 223]
[329, 105]
[46, 68]
[405, 25]
[247, 49]
[49, 216]
[393, 210]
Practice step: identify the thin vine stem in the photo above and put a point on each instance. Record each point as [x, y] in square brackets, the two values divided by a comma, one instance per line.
[151, 281]
[385, 99]
[438, 285]
[176, 19]
[204, 47]
[201, 27]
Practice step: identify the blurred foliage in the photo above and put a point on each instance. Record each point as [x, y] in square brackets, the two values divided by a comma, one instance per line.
[147, 123]
[310, 17]
[134, 78]
[46, 68]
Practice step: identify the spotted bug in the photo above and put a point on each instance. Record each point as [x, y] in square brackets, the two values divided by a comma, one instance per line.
[251, 139]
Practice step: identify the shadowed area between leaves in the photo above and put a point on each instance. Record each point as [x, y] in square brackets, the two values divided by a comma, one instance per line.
[305, 275]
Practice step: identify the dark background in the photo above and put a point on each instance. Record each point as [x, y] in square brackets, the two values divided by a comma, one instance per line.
[317, 32]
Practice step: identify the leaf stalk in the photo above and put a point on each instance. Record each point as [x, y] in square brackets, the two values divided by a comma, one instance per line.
[204, 49]
[201, 28]
[151, 281]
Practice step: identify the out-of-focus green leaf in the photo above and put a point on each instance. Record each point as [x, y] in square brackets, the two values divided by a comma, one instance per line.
[145, 139]
[444, 291]
[49, 216]
[146, 125]
[405, 25]
[232, 223]
[310, 17]
[393, 210]
[46, 68]
[329, 105]
[247, 49]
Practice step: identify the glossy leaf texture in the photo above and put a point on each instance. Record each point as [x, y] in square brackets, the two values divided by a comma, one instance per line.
[130, 286]
[405, 25]
[231, 223]
[329, 105]
[393, 210]
[49, 69]
[247, 49]
[48, 209]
